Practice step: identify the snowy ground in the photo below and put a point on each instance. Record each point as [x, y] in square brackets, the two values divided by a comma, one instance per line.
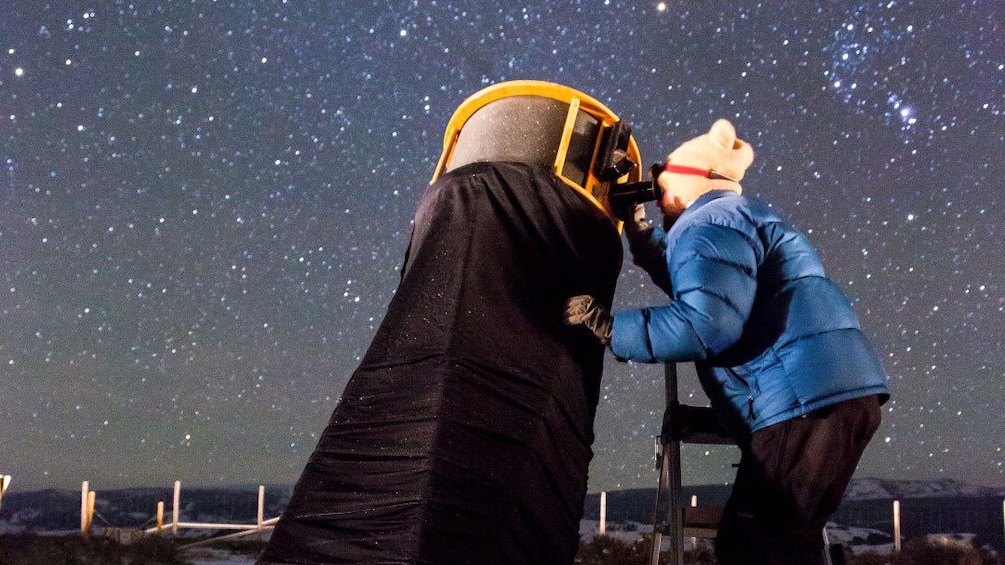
[855, 538]
[209, 556]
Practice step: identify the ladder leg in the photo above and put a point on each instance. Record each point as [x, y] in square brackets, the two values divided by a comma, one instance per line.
[657, 539]
[669, 518]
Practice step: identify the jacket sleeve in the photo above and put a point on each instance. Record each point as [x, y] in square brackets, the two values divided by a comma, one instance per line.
[713, 270]
[649, 251]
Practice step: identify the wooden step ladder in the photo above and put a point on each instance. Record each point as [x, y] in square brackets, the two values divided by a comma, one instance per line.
[673, 520]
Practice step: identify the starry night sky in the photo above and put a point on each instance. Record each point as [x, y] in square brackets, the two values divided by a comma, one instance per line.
[205, 206]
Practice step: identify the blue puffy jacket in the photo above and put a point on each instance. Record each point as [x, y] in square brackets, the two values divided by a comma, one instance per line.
[771, 336]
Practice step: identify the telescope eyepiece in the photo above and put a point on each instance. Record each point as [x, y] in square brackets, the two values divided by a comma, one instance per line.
[632, 193]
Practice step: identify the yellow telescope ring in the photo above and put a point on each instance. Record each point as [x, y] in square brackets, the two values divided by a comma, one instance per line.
[587, 184]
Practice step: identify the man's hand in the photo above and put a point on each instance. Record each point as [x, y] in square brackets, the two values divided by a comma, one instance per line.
[637, 227]
[585, 310]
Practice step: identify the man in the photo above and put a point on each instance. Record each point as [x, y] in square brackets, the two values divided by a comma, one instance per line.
[777, 348]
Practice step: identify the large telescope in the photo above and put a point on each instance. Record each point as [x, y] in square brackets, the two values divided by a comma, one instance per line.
[464, 436]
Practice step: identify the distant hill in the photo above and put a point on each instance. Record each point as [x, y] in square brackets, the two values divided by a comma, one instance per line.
[886, 489]
[939, 506]
[637, 504]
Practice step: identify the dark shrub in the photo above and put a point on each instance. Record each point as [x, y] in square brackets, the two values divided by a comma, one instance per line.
[30, 549]
[938, 550]
[607, 550]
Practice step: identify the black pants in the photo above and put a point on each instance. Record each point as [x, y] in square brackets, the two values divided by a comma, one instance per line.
[791, 478]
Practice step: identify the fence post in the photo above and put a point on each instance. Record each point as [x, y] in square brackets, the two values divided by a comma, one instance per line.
[261, 505]
[602, 528]
[176, 510]
[896, 526]
[160, 516]
[694, 539]
[84, 489]
[90, 510]
[4, 483]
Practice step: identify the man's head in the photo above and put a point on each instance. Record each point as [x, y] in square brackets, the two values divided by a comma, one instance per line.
[711, 161]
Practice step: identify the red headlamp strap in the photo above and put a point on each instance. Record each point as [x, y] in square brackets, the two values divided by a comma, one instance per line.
[707, 173]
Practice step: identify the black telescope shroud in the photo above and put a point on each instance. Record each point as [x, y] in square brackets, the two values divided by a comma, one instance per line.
[465, 434]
